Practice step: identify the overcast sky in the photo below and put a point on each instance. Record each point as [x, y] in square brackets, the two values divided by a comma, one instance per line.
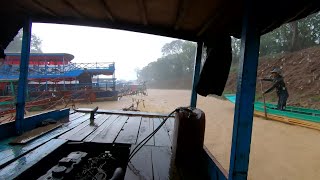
[128, 50]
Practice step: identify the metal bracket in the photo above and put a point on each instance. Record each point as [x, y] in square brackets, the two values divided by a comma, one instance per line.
[92, 112]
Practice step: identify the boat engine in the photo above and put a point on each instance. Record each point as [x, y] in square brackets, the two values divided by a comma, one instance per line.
[77, 166]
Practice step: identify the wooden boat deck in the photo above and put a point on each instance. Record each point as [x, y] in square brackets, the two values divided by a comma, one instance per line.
[151, 162]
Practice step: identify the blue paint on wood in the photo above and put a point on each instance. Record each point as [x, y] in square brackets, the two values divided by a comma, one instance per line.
[243, 116]
[13, 152]
[196, 74]
[35, 120]
[8, 129]
[215, 170]
[23, 77]
[19, 166]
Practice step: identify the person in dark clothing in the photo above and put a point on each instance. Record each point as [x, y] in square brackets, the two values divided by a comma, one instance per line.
[280, 86]
[85, 79]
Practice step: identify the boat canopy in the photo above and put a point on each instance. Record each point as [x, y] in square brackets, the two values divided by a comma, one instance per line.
[185, 19]
[209, 21]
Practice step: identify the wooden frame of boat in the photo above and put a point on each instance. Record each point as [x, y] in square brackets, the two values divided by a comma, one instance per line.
[241, 22]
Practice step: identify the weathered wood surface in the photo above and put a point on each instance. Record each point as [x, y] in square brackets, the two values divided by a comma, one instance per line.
[140, 166]
[35, 133]
[161, 157]
[121, 112]
[109, 129]
[150, 162]
[215, 169]
[109, 134]
[84, 132]
[12, 152]
[17, 167]
[161, 138]
[146, 128]
[169, 125]
[75, 116]
[129, 132]
[103, 126]
[68, 134]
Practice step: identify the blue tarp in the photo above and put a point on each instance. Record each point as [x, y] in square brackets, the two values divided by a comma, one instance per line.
[70, 74]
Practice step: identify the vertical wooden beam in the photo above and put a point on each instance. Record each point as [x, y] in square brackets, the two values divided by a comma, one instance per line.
[114, 78]
[196, 74]
[143, 11]
[44, 8]
[243, 116]
[107, 10]
[23, 76]
[181, 12]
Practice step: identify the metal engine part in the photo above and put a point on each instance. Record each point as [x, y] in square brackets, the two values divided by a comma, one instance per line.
[64, 167]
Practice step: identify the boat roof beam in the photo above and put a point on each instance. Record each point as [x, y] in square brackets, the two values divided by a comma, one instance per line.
[246, 87]
[196, 74]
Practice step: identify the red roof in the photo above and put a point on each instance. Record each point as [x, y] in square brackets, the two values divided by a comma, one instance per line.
[40, 58]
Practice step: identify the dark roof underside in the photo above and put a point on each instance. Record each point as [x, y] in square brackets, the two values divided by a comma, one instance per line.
[186, 19]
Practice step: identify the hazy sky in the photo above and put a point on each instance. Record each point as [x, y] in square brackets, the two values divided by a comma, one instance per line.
[128, 50]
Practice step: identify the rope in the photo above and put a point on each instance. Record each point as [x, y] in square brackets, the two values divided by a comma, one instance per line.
[54, 104]
[146, 139]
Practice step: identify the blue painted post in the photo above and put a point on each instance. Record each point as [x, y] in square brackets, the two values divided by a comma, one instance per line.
[196, 74]
[243, 116]
[23, 76]
[114, 78]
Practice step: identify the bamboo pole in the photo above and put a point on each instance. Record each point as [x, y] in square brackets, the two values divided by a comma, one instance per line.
[264, 101]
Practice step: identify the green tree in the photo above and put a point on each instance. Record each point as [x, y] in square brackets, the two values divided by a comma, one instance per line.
[15, 45]
[235, 45]
[174, 47]
[293, 36]
[177, 61]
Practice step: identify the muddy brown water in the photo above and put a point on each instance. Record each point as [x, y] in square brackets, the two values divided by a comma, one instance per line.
[278, 150]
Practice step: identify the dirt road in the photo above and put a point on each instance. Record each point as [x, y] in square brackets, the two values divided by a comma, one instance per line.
[278, 151]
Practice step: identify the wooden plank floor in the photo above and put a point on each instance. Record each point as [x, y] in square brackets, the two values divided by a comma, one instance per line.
[151, 162]
[162, 136]
[146, 127]
[109, 134]
[129, 132]
[23, 163]
[122, 129]
[12, 152]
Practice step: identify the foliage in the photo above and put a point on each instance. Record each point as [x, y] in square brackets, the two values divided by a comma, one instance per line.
[176, 62]
[15, 45]
[289, 37]
[235, 45]
[294, 36]
[178, 56]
